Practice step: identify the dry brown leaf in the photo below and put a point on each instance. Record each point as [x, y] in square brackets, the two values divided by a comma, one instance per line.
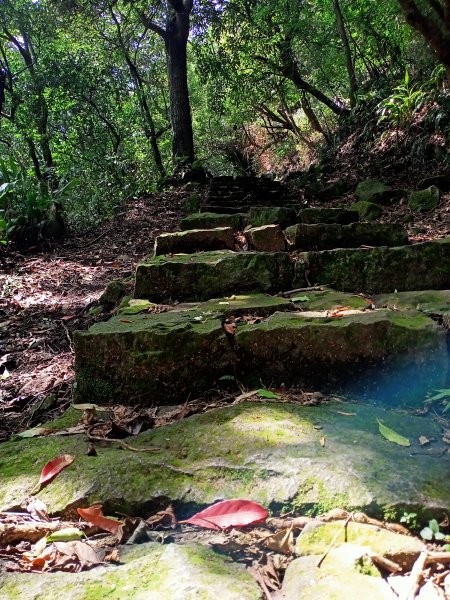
[423, 440]
[78, 551]
[322, 441]
[281, 541]
[36, 508]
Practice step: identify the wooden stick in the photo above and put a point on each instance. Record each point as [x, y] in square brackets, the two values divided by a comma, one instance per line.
[416, 576]
[333, 541]
[31, 532]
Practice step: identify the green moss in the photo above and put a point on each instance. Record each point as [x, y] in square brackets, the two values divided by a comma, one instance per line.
[314, 499]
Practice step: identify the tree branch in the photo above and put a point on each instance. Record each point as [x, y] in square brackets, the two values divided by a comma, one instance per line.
[152, 26]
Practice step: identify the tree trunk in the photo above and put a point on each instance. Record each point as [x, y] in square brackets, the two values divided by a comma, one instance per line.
[353, 86]
[435, 30]
[180, 109]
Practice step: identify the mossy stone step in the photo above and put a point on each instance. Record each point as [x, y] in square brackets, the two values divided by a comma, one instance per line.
[209, 220]
[324, 236]
[194, 240]
[163, 358]
[272, 215]
[341, 216]
[422, 266]
[212, 274]
[387, 356]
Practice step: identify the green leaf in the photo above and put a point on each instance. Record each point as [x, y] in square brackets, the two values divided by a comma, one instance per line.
[263, 393]
[434, 526]
[87, 406]
[34, 432]
[301, 299]
[426, 534]
[227, 378]
[442, 394]
[392, 436]
[69, 534]
[136, 306]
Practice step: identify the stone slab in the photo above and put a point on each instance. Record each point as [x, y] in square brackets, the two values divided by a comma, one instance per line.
[147, 572]
[195, 240]
[270, 453]
[278, 215]
[267, 238]
[213, 274]
[151, 358]
[388, 357]
[376, 270]
[340, 216]
[209, 220]
[328, 236]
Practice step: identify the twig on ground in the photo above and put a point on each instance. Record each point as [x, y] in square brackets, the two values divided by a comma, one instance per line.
[333, 541]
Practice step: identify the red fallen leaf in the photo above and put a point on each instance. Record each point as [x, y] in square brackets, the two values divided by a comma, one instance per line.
[229, 513]
[336, 315]
[124, 320]
[230, 328]
[341, 308]
[54, 467]
[94, 515]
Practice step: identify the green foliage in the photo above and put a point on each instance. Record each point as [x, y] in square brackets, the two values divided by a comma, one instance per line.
[399, 109]
[432, 532]
[441, 395]
[410, 519]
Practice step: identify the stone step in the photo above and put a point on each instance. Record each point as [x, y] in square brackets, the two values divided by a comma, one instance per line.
[340, 216]
[328, 236]
[162, 358]
[194, 240]
[210, 220]
[212, 274]
[270, 215]
[376, 270]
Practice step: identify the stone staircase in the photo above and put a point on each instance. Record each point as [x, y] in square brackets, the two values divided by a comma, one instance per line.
[282, 326]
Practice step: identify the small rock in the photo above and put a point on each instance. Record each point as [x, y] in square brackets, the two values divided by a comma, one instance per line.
[272, 215]
[442, 182]
[268, 238]
[424, 200]
[368, 211]
[113, 293]
[372, 190]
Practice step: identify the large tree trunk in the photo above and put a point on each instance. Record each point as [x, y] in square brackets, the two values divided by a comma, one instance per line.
[434, 27]
[180, 109]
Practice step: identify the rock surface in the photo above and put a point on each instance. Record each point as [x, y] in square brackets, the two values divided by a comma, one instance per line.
[328, 236]
[340, 216]
[268, 238]
[209, 220]
[376, 270]
[278, 215]
[195, 240]
[424, 200]
[270, 453]
[148, 571]
[372, 190]
[212, 274]
[367, 211]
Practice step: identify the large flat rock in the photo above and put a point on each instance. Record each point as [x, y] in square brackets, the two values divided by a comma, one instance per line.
[328, 215]
[158, 358]
[212, 274]
[324, 236]
[148, 571]
[388, 356]
[422, 266]
[208, 220]
[270, 453]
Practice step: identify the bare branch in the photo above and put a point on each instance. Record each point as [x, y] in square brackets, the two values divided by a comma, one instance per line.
[152, 26]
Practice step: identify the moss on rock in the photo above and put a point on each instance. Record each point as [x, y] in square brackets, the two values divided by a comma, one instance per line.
[340, 216]
[208, 220]
[367, 211]
[212, 274]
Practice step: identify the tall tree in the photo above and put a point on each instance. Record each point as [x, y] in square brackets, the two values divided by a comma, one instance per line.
[175, 34]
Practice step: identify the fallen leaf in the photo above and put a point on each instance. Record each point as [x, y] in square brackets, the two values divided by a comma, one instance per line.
[246, 395]
[94, 515]
[301, 299]
[229, 328]
[34, 432]
[55, 466]
[88, 406]
[229, 513]
[125, 321]
[37, 509]
[81, 551]
[345, 414]
[281, 541]
[68, 534]
[336, 315]
[392, 436]
[423, 440]
[322, 441]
